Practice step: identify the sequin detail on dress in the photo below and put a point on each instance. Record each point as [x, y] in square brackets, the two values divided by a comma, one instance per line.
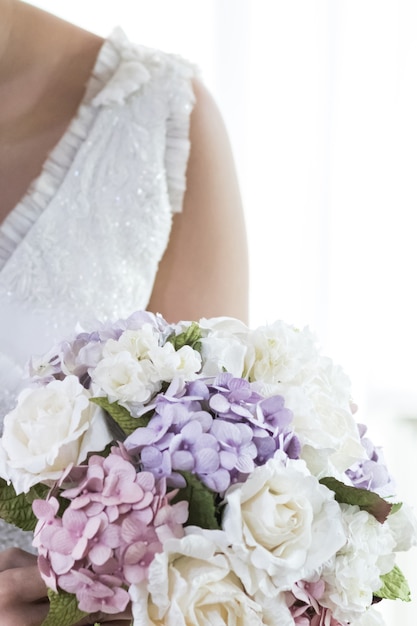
[86, 240]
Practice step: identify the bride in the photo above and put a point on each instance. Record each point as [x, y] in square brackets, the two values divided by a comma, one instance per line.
[117, 192]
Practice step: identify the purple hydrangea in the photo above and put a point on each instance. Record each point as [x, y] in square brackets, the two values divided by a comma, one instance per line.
[371, 473]
[218, 429]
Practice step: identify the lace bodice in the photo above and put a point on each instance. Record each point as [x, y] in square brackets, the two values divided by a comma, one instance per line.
[85, 242]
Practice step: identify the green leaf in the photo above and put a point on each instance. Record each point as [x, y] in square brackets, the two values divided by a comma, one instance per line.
[37, 492]
[191, 336]
[394, 586]
[365, 500]
[63, 609]
[121, 416]
[396, 507]
[201, 503]
[17, 510]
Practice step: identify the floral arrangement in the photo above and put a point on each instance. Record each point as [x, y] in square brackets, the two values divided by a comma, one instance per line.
[204, 473]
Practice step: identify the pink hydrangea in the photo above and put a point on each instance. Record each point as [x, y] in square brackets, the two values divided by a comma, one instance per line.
[304, 603]
[116, 521]
[95, 592]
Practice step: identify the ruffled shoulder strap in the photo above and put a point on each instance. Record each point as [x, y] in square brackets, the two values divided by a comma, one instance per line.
[172, 75]
[178, 129]
[122, 70]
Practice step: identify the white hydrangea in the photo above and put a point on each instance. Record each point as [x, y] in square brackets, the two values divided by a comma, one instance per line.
[281, 354]
[356, 572]
[370, 618]
[403, 525]
[286, 361]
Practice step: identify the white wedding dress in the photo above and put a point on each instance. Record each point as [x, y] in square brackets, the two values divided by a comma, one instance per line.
[85, 241]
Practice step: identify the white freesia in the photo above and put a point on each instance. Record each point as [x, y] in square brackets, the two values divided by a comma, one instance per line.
[224, 345]
[51, 427]
[169, 362]
[277, 523]
[356, 572]
[134, 365]
[137, 342]
[190, 583]
[125, 379]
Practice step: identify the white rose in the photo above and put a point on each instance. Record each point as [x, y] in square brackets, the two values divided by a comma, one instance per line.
[277, 523]
[356, 572]
[125, 379]
[189, 583]
[51, 427]
[169, 362]
[225, 346]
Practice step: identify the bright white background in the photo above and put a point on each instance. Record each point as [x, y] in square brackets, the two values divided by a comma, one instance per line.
[320, 99]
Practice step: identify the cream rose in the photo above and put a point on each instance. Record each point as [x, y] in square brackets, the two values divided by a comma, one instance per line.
[51, 427]
[190, 583]
[277, 523]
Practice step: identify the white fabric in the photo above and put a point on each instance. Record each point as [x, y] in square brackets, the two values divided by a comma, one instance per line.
[85, 241]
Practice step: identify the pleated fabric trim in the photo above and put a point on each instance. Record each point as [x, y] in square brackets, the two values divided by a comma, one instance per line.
[120, 70]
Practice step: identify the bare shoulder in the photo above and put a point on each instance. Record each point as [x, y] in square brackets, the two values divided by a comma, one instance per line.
[204, 270]
[45, 65]
[207, 128]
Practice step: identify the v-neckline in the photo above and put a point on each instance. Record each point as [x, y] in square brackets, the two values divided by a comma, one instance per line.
[43, 188]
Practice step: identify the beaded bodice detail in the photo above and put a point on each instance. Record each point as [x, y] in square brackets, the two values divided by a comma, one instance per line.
[85, 241]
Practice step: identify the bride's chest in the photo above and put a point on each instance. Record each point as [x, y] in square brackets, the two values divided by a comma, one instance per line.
[21, 162]
[93, 228]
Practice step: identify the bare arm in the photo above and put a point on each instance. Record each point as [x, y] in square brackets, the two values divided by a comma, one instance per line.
[204, 270]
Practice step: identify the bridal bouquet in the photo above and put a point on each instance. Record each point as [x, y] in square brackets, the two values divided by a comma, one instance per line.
[203, 473]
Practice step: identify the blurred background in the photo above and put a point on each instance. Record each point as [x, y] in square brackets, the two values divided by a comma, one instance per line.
[320, 101]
